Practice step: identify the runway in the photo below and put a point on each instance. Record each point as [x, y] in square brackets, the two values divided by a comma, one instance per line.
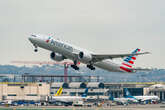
[129, 107]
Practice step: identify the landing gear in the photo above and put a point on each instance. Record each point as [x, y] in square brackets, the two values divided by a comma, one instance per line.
[36, 49]
[74, 66]
[91, 67]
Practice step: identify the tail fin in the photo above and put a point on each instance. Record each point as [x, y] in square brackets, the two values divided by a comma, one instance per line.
[127, 93]
[129, 61]
[85, 93]
[111, 97]
[59, 91]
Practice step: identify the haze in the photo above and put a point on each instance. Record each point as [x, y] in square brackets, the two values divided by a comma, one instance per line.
[102, 26]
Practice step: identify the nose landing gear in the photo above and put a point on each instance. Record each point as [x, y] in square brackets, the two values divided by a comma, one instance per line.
[36, 49]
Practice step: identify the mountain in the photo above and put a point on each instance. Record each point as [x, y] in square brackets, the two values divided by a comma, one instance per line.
[157, 75]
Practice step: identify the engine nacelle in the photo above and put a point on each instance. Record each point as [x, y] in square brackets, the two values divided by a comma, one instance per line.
[85, 56]
[56, 56]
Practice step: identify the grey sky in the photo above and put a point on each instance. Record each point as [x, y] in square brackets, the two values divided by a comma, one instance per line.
[102, 26]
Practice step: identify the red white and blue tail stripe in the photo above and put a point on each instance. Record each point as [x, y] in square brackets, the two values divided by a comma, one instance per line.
[128, 62]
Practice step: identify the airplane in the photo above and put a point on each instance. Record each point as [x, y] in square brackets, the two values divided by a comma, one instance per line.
[123, 100]
[141, 98]
[68, 99]
[62, 50]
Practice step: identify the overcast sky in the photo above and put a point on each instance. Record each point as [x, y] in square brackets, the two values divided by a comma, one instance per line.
[102, 26]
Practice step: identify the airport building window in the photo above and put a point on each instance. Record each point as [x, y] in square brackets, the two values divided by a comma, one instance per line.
[154, 93]
[4, 97]
[160, 95]
[65, 85]
[55, 87]
[73, 93]
[64, 92]
[17, 84]
[51, 92]
[31, 94]
[134, 91]
[11, 95]
[83, 85]
[101, 85]
[95, 93]
[21, 86]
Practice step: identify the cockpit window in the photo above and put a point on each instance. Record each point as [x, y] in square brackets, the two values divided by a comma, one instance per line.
[34, 35]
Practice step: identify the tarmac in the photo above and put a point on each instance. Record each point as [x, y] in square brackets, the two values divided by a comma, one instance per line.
[129, 107]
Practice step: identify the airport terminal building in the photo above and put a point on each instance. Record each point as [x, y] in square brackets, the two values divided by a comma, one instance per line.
[37, 90]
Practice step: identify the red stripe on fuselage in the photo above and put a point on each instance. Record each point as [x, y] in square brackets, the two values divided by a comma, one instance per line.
[127, 65]
[131, 62]
[125, 69]
[134, 58]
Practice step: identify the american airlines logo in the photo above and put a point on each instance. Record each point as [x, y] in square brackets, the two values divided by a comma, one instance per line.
[61, 45]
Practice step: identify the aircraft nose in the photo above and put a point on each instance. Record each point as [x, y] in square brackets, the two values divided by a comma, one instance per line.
[32, 37]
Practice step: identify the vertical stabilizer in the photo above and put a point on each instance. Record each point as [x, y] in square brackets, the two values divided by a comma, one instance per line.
[111, 97]
[128, 94]
[129, 61]
[85, 93]
[59, 92]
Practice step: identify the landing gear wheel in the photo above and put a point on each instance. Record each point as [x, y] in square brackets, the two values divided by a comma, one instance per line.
[91, 67]
[36, 50]
[75, 67]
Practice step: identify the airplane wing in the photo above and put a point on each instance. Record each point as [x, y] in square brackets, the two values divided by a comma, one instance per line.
[141, 69]
[100, 57]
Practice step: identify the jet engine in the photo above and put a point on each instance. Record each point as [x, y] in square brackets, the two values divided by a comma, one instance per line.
[85, 56]
[56, 56]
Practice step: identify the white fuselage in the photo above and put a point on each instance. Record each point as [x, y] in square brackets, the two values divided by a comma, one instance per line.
[67, 98]
[67, 50]
[144, 98]
[125, 100]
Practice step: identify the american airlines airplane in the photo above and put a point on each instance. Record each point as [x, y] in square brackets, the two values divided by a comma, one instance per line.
[62, 50]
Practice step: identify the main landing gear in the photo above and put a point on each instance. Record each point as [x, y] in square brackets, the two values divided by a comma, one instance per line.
[74, 66]
[91, 67]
